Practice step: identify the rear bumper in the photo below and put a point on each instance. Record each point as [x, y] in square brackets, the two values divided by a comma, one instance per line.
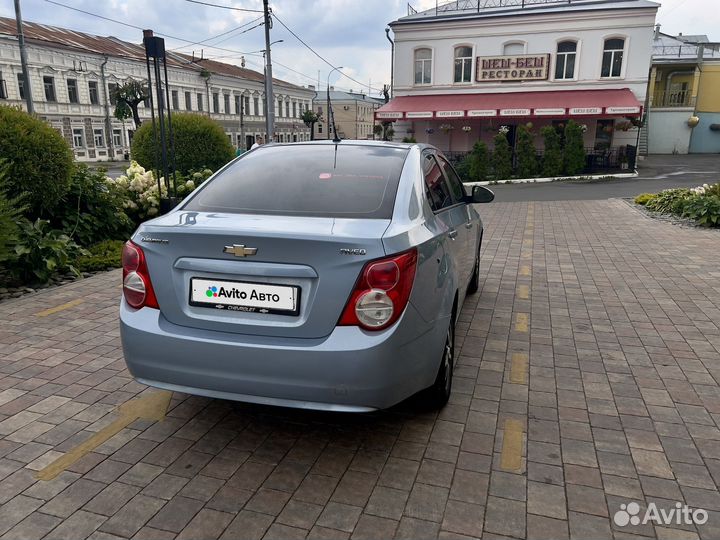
[349, 370]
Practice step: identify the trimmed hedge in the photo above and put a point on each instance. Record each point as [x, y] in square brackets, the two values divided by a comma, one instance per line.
[200, 143]
[39, 160]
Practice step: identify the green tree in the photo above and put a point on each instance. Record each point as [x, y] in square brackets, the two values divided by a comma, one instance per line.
[526, 153]
[311, 118]
[127, 98]
[479, 161]
[552, 162]
[502, 157]
[39, 160]
[200, 143]
[574, 154]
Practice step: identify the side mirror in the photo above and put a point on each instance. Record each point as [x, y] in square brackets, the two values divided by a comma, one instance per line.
[481, 194]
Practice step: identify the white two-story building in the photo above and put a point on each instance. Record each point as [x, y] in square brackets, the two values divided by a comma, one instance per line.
[464, 69]
[72, 75]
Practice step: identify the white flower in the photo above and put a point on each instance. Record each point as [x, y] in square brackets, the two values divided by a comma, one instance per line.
[504, 130]
[197, 175]
[152, 211]
[190, 185]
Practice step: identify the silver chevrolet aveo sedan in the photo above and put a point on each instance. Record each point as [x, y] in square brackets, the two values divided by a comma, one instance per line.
[317, 275]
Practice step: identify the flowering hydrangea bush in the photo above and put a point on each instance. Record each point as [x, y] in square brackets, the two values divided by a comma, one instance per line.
[138, 189]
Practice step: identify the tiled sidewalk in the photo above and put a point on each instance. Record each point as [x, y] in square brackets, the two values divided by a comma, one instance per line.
[588, 378]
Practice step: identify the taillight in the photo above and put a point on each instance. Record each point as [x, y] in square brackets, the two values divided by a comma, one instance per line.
[381, 292]
[137, 287]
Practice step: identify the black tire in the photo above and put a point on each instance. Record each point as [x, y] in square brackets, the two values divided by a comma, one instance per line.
[474, 284]
[440, 391]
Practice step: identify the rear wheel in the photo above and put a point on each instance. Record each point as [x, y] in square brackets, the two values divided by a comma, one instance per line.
[439, 392]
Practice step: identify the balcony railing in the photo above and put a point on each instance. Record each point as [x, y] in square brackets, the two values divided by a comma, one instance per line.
[479, 5]
[688, 50]
[681, 98]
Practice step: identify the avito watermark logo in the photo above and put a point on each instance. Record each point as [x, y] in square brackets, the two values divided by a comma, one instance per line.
[680, 514]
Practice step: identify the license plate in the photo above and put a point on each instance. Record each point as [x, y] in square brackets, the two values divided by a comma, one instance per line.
[245, 296]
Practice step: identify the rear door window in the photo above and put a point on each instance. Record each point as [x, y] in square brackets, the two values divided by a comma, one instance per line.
[436, 188]
[319, 180]
[456, 186]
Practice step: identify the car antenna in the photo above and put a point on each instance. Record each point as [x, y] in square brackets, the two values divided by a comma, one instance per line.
[336, 137]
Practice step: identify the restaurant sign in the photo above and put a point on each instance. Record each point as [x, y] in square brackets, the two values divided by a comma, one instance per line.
[528, 67]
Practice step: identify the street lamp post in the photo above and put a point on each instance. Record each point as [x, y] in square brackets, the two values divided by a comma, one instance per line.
[330, 124]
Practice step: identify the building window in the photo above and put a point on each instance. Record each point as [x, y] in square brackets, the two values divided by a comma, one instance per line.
[3, 88]
[72, 91]
[565, 60]
[200, 102]
[294, 109]
[287, 109]
[423, 66]
[226, 103]
[21, 86]
[514, 48]
[237, 105]
[216, 102]
[93, 91]
[463, 64]
[256, 106]
[78, 138]
[175, 99]
[246, 104]
[319, 128]
[188, 101]
[612, 57]
[98, 137]
[49, 84]
[112, 90]
[117, 138]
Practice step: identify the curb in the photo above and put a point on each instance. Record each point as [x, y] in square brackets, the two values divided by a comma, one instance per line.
[554, 179]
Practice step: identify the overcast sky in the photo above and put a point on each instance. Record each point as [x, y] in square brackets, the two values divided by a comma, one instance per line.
[347, 33]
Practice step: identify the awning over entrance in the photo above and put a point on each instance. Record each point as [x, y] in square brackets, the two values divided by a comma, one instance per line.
[560, 103]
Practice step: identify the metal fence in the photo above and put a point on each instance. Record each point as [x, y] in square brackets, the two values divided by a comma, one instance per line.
[681, 98]
[597, 161]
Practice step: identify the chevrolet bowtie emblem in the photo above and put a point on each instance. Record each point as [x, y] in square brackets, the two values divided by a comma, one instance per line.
[239, 250]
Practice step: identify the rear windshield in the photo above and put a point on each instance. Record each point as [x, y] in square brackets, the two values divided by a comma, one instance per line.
[328, 180]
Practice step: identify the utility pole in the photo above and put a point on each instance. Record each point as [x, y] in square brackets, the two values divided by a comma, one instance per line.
[241, 142]
[269, 99]
[27, 86]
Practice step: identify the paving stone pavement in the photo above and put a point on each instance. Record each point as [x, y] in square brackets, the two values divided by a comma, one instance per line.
[587, 378]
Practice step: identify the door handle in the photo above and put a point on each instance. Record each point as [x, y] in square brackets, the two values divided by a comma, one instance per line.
[452, 234]
[469, 225]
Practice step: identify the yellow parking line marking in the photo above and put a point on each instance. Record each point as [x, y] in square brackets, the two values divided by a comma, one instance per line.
[66, 305]
[524, 270]
[521, 322]
[149, 407]
[519, 368]
[523, 292]
[511, 454]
